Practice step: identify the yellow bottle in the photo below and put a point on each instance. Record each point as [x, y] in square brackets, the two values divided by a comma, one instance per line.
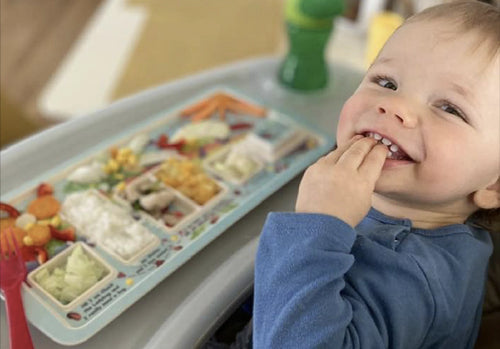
[381, 28]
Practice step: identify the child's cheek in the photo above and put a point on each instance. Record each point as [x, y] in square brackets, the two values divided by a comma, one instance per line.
[347, 120]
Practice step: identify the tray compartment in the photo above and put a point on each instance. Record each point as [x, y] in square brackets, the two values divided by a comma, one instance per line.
[156, 201]
[234, 164]
[108, 225]
[191, 180]
[274, 138]
[66, 298]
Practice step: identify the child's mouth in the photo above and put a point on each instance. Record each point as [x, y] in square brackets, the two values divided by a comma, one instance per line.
[395, 152]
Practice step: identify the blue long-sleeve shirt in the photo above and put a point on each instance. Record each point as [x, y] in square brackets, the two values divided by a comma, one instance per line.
[319, 283]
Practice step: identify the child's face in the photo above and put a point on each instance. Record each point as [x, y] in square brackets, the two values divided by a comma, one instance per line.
[437, 97]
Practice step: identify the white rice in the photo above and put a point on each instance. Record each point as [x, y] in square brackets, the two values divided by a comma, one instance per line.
[105, 224]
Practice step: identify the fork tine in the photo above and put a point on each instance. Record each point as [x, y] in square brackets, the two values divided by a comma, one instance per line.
[10, 239]
[14, 240]
[4, 248]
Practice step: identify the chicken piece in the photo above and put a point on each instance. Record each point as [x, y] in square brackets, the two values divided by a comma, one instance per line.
[157, 200]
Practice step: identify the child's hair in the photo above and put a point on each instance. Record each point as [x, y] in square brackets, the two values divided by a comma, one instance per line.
[487, 219]
[468, 16]
[485, 19]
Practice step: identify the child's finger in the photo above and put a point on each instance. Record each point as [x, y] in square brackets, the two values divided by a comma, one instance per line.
[373, 162]
[354, 156]
[334, 155]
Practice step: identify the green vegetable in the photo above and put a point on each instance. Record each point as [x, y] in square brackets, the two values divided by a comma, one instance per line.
[71, 187]
[54, 246]
[79, 274]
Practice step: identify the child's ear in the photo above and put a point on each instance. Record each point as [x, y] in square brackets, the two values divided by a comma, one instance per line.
[489, 197]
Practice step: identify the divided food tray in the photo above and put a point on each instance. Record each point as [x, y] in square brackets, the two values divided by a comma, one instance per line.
[101, 231]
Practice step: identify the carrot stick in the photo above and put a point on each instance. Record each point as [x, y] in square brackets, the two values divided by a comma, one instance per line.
[230, 98]
[222, 111]
[227, 97]
[205, 113]
[243, 107]
[196, 107]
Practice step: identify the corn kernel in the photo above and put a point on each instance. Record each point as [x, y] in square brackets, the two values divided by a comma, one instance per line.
[106, 169]
[55, 221]
[113, 165]
[124, 151]
[27, 241]
[121, 160]
[121, 186]
[29, 226]
[174, 238]
[132, 160]
[129, 281]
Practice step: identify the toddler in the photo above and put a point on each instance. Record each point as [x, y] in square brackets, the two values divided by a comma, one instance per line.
[385, 248]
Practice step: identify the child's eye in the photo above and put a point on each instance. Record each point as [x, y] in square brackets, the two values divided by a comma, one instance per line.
[451, 109]
[385, 82]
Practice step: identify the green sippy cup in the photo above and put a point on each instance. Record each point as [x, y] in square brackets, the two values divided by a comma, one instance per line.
[309, 24]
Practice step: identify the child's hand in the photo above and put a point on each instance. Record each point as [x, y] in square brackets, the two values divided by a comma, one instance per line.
[342, 182]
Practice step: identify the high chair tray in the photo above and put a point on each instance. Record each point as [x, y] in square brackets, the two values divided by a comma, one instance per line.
[132, 208]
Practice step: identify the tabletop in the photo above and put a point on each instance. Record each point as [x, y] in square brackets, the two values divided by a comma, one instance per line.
[186, 307]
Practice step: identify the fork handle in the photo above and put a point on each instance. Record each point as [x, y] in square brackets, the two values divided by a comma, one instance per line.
[20, 337]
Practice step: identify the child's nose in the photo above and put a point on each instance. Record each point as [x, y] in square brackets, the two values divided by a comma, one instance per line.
[399, 110]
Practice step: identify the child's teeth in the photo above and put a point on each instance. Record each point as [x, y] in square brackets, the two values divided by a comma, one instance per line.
[385, 141]
[377, 136]
[389, 154]
[394, 148]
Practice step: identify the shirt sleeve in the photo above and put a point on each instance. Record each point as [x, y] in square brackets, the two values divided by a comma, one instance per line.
[311, 291]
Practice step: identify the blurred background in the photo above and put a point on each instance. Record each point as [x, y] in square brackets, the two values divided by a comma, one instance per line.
[63, 58]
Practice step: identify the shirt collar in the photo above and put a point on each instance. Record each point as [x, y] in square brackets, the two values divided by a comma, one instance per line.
[448, 229]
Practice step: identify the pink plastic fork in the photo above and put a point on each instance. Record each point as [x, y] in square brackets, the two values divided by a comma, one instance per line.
[12, 274]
